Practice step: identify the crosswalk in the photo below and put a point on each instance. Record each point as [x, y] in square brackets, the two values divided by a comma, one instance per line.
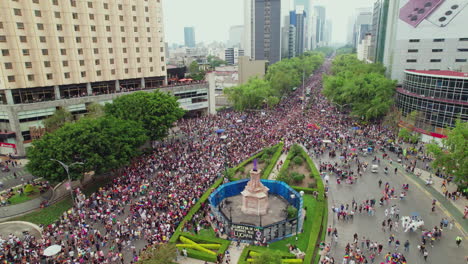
[9, 175]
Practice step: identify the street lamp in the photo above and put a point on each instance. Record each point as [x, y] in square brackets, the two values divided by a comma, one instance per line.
[67, 167]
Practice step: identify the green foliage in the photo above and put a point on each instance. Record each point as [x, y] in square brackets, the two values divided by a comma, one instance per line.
[155, 111]
[348, 49]
[193, 253]
[361, 86]
[268, 258]
[47, 215]
[298, 160]
[274, 158]
[252, 95]
[215, 61]
[95, 110]
[57, 120]
[453, 158]
[101, 144]
[159, 254]
[28, 189]
[292, 211]
[404, 134]
[193, 68]
[297, 177]
[327, 51]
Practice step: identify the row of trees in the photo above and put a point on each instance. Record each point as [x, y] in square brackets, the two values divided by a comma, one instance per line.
[106, 139]
[360, 87]
[280, 79]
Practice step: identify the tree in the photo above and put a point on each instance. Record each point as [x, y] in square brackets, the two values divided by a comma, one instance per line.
[215, 61]
[57, 120]
[194, 68]
[95, 110]
[101, 144]
[159, 254]
[155, 111]
[252, 95]
[268, 257]
[453, 157]
[272, 101]
[404, 134]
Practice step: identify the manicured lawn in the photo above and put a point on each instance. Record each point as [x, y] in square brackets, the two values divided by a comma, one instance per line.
[47, 215]
[303, 238]
[17, 198]
[207, 233]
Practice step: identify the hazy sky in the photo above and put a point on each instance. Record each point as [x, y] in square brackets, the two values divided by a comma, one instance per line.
[213, 18]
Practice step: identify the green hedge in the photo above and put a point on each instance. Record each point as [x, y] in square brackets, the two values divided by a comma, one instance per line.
[274, 159]
[196, 254]
[245, 253]
[323, 231]
[314, 234]
[304, 189]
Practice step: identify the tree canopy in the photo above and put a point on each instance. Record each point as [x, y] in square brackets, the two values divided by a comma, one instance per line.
[268, 257]
[155, 111]
[452, 158]
[280, 79]
[57, 120]
[360, 86]
[101, 144]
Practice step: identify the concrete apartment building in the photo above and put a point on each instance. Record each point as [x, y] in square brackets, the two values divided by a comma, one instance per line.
[67, 54]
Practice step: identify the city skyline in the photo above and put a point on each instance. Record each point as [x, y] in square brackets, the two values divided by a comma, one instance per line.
[213, 23]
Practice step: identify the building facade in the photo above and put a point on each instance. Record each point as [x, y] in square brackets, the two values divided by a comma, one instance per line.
[249, 68]
[189, 37]
[318, 31]
[67, 54]
[362, 25]
[235, 36]
[364, 48]
[436, 99]
[231, 55]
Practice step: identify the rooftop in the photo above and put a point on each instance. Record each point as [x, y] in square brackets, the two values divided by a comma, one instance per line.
[442, 73]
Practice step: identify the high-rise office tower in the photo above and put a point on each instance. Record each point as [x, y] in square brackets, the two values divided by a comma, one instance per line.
[328, 31]
[266, 29]
[307, 4]
[298, 19]
[318, 30]
[235, 36]
[362, 25]
[189, 37]
[55, 53]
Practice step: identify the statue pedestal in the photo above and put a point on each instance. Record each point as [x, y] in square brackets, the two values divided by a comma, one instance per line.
[255, 196]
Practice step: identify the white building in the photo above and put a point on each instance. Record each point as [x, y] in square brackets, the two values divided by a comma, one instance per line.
[363, 48]
[236, 37]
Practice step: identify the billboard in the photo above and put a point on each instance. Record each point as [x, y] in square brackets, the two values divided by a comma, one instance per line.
[432, 18]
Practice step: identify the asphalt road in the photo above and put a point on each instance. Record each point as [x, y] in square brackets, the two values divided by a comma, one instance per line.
[444, 251]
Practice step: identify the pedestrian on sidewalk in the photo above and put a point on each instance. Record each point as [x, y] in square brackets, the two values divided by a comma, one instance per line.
[458, 240]
[407, 245]
[425, 254]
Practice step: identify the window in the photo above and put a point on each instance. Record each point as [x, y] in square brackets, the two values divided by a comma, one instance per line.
[126, 70]
[437, 50]
[163, 68]
[97, 62]
[28, 65]
[149, 39]
[111, 50]
[30, 77]
[23, 39]
[63, 51]
[162, 58]
[5, 52]
[98, 73]
[40, 26]
[2, 38]
[134, 19]
[121, 18]
[411, 60]
[113, 71]
[151, 69]
[80, 51]
[414, 40]
[146, 9]
[122, 29]
[91, 16]
[435, 60]
[138, 60]
[8, 65]
[25, 52]
[17, 12]
[65, 63]
[20, 25]
[120, 7]
[49, 76]
[37, 13]
[75, 15]
[108, 28]
[136, 39]
[96, 51]
[460, 60]
[109, 40]
[59, 27]
[123, 39]
[73, 3]
[133, 8]
[77, 28]
[66, 75]
[82, 63]
[107, 17]
[135, 29]
[125, 60]
[47, 64]
[139, 69]
[42, 39]
[90, 4]
[111, 61]
[1, 25]
[11, 78]
[150, 59]
[94, 39]
[45, 52]
[83, 74]
[93, 28]
[124, 50]
[61, 39]
[439, 40]
[463, 39]
[55, 2]
[106, 6]
[57, 14]
[463, 50]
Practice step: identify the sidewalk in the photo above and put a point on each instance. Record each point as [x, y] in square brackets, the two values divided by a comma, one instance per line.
[275, 171]
[7, 212]
[234, 254]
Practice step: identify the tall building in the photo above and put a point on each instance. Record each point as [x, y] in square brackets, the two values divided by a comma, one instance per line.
[236, 36]
[266, 29]
[189, 37]
[328, 31]
[298, 19]
[67, 54]
[231, 55]
[362, 25]
[318, 30]
[364, 47]
[307, 4]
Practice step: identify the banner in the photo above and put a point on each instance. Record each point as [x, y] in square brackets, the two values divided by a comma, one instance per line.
[7, 145]
[246, 232]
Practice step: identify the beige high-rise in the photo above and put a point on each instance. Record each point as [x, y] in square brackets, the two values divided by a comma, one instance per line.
[55, 52]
